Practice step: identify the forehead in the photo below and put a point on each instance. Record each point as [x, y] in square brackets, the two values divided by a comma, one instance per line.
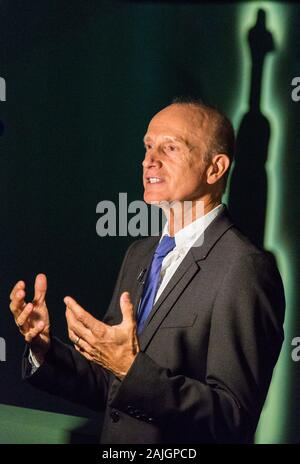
[179, 121]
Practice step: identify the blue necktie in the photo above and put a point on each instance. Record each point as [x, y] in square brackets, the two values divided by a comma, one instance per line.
[164, 247]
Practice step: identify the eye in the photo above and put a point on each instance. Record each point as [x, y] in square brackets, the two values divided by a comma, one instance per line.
[169, 148]
[148, 146]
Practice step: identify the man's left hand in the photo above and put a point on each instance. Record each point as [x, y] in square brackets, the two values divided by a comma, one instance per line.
[113, 347]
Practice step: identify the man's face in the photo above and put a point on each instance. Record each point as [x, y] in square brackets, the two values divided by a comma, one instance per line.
[175, 142]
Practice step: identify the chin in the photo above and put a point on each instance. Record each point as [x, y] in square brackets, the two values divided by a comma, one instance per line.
[153, 197]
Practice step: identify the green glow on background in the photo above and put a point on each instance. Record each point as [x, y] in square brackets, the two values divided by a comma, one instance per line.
[272, 423]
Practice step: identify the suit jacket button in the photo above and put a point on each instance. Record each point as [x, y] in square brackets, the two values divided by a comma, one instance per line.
[115, 416]
[151, 420]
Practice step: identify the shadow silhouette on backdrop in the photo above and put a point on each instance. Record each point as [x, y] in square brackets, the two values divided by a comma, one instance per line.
[248, 186]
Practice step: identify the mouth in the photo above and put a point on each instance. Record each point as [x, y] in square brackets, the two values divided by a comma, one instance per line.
[154, 180]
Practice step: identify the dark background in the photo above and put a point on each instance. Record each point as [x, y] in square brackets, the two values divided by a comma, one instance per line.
[83, 79]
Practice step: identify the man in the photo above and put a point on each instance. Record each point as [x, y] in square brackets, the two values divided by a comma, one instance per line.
[186, 350]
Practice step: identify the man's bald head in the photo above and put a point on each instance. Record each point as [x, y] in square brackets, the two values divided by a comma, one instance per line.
[216, 125]
[218, 130]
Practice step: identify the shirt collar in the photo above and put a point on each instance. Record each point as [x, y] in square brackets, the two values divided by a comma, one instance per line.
[185, 237]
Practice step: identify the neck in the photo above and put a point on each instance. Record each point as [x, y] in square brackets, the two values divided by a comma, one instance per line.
[180, 214]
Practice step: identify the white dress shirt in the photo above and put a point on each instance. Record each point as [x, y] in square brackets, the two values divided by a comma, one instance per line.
[184, 240]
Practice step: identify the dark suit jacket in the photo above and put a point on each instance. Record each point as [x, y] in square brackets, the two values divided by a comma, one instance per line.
[207, 351]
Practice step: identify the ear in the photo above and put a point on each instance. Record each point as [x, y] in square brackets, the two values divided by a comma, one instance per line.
[219, 165]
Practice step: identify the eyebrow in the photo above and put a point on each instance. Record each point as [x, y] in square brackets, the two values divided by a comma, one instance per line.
[167, 137]
[145, 138]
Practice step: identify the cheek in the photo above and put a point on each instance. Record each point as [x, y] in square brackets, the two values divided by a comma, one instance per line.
[178, 168]
[185, 173]
[188, 181]
[182, 173]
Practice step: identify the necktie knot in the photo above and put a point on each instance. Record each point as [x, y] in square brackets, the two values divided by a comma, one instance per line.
[166, 245]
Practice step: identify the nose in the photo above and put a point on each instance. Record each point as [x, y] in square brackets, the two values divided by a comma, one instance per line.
[151, 159]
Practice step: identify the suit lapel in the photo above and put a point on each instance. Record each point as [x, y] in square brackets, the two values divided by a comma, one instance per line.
[182, 276]
[143, 270]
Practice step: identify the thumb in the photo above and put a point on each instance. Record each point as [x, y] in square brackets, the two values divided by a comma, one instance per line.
[126, 307]
[40, 288]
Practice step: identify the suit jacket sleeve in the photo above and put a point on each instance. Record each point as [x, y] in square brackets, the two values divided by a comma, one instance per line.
[68, 374]
[244, 343]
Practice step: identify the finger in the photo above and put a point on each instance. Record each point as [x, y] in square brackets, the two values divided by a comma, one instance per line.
[19, 286]
[81, 344]
[40, 288]
[20, 321]
[84, 353]
[78, 329]
[34, 332]
[126, 307]
[17, 303]
[79, 313]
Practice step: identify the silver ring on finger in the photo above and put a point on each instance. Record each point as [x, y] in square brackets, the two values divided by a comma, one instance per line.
[76, 342]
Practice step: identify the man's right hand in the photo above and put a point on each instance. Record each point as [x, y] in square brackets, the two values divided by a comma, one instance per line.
[32, 318]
